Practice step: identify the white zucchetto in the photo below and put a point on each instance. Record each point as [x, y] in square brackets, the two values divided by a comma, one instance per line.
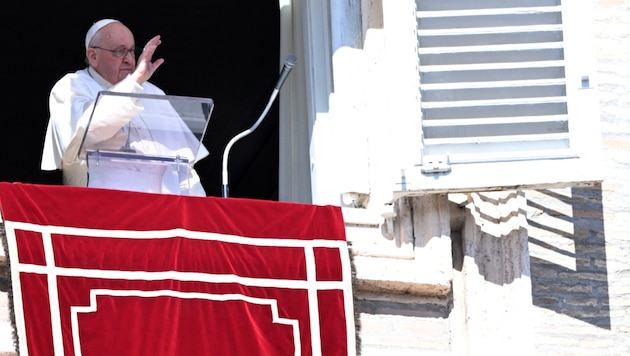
[94, 29]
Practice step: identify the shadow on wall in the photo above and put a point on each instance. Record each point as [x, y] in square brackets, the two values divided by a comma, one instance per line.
[568, 253]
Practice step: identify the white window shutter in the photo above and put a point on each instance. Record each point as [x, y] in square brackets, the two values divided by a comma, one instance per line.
[508, 95]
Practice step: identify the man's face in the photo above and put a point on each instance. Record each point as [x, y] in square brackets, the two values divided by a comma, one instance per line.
[111, 54]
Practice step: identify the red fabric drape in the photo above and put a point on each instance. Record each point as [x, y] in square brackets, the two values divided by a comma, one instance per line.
[105, 272]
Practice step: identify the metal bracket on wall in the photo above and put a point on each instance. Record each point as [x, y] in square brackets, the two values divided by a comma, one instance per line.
[435, 164]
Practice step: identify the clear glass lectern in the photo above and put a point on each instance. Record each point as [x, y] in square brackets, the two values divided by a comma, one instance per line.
[145, 142]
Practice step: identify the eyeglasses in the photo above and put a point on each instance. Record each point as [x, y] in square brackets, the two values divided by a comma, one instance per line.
[119, 53]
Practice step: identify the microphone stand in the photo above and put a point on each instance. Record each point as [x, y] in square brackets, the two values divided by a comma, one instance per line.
[288, 65]
[127, 147]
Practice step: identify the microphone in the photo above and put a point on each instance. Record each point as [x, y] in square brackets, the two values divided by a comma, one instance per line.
[289, 63]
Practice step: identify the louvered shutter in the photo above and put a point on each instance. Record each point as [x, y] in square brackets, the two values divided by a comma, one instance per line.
[504, 81]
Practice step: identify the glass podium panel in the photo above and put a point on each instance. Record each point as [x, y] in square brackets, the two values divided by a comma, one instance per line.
[145, 142]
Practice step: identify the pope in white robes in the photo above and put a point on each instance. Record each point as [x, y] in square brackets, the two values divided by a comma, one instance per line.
[145, 127]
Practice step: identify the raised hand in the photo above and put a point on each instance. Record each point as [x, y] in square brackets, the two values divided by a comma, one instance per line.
[145, 66]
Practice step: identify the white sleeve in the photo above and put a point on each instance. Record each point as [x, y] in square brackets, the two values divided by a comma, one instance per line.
[71, 101]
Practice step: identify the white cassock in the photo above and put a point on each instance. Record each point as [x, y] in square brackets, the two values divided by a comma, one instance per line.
[119, 121]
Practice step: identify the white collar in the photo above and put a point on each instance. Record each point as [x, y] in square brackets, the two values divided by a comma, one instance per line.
[98, 78]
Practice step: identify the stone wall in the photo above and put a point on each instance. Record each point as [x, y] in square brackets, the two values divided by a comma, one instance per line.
[579, 264]
[579, 242]
[580, 238]
[8, 333]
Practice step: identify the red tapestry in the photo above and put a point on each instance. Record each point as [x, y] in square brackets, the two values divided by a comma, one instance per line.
[105, 272]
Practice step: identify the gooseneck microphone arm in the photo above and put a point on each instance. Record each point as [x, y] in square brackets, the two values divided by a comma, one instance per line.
[289, 63]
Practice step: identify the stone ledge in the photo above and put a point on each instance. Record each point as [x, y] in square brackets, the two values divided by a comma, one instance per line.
[384, 265]
[370, 242]
[399, 276]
